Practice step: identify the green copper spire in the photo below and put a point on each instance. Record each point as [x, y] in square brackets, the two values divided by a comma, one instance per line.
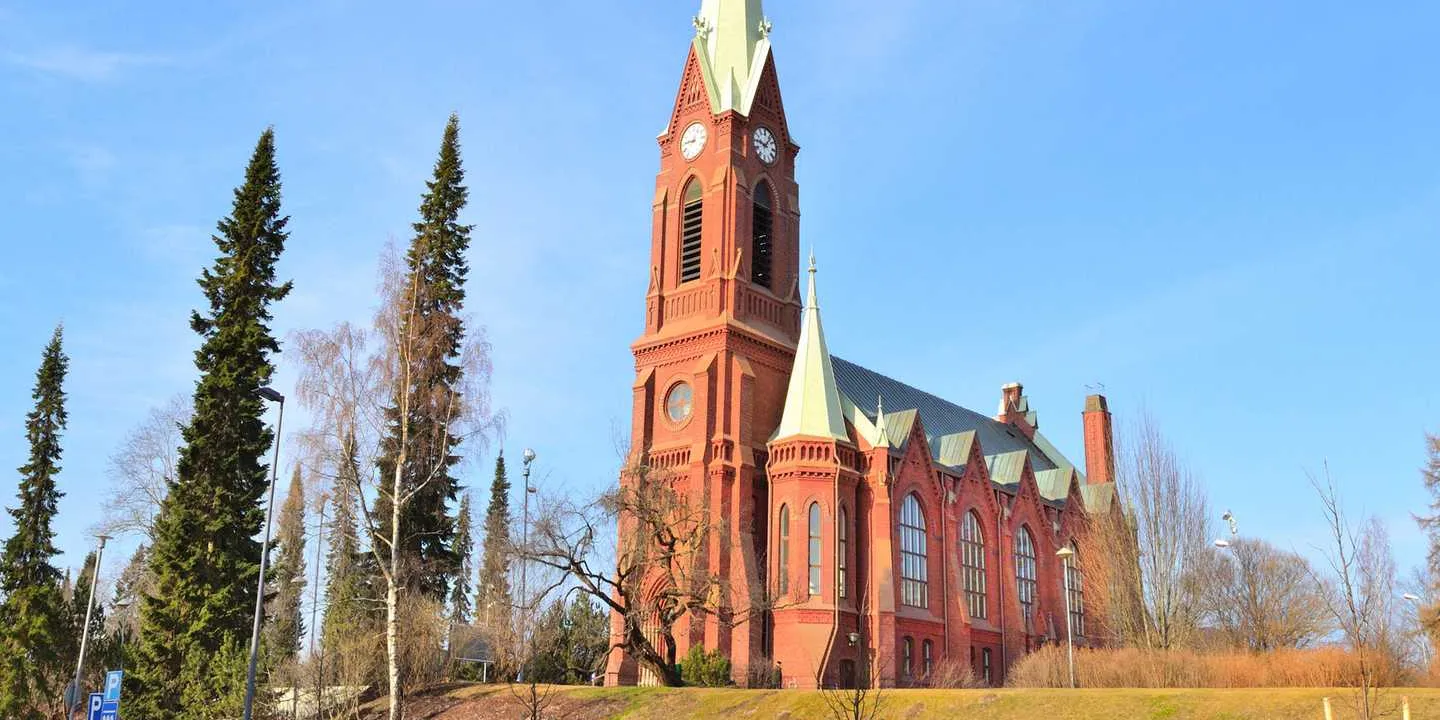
[733, 39]
[812, 402]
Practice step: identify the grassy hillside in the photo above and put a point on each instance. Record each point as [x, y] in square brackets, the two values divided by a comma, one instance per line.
[483, 702]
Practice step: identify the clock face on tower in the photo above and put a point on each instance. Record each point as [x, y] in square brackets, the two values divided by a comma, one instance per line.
[693, 141]
[765, 146]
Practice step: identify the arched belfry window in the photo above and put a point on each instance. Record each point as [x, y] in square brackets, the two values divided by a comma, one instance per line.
[784, 549]
[690, 234]
[762, 245]
[972, 562]
[914, 568]
[814, 548]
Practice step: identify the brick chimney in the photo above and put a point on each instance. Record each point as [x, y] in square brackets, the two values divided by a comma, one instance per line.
[1015, 409]
[1099, 442]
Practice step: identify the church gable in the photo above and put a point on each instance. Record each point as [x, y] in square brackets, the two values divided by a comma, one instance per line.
[696, 89]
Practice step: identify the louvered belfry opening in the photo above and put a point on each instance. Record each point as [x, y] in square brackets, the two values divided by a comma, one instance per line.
[762, 245]
[690, 233]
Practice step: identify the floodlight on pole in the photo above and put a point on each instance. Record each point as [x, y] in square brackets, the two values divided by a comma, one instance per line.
[1066, 555]
[529, 457]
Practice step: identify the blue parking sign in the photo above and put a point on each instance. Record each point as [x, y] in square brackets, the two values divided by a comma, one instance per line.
[112, 685]
[96, 702]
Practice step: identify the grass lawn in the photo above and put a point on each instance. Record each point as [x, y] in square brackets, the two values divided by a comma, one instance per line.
[481, 702]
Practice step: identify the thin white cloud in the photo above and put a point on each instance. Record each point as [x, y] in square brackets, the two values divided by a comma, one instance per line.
[76, 63]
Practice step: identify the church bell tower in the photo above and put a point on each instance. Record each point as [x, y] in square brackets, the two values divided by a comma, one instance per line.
[722, 313]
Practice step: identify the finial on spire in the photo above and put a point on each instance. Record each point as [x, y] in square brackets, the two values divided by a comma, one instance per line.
[765, 27]
[810, 302]
[702, 26]
[882, 433]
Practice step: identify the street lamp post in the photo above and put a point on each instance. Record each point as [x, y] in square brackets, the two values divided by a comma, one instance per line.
[314, 609]
[89, 608]
[270, 394]
[1065, 554]
[528, 457]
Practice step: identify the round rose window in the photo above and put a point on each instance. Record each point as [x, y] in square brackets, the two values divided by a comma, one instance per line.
[679, 403]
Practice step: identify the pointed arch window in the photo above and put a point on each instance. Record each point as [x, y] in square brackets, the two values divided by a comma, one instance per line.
[814, 548]
[690, 232]
[1025, 572]
[762, 245]
[1074, 587]
[784, 549]
[844, 537]
[972, 563]
[914, 568]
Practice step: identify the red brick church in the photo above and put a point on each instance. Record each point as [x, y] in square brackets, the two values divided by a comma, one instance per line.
[900, 529]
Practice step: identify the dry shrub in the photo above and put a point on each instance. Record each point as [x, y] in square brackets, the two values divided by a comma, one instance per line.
[422, 636]
[761, 673]
[1132, 667]
[951, 673]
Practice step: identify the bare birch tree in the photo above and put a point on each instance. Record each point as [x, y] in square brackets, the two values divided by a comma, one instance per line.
[1362, 570]
[141, 471]
[348, 379]
[1171, 527]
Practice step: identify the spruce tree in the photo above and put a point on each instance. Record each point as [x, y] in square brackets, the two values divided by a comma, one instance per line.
[206, 555]
[346, 611]
[34, 617]
[464, 549]
[436, 270]
[287, 589]
[492, 596]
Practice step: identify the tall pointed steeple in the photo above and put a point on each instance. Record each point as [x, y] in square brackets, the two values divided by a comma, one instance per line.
[812, 402]
[734, 39]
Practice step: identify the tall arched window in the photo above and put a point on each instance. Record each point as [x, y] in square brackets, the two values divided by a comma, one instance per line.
[843, 531]
[1075, 588]
[784, 549]
[762, 223]
[690, 233]
[908, 658]
[814, 548]
[927, 657]
[1025, 572]
[914, 570]
[972, 562]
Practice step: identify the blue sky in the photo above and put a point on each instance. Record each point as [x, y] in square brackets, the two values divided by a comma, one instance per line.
[1227, 212]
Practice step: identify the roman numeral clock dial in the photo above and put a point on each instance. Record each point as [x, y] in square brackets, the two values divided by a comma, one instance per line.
[765, 147]
[692, 141]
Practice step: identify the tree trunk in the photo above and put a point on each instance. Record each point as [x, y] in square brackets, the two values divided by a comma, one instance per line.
[392, 597]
